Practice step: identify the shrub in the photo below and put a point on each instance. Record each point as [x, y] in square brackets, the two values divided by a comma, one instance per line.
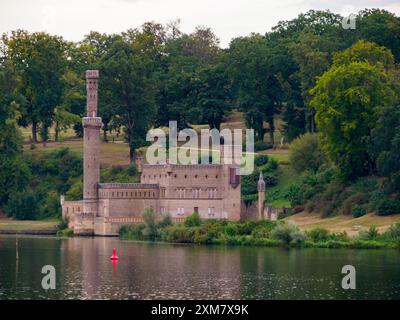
[246, 228]
[370, 234]
[75, 192]
[393, 233]
[249, 184]
[341, 236]
[261, 160]
[193, 220]
[116, 169]
[132, 170]
[231, 229]
[287, 233]
[149, 231]
[166, 221]
[263, 229]
[261, 145]
[387, 206]
[63, 224]
[357, 198]
[132, 231]
[23, 206]
[67, 232]
[50, 206]
[180, 234]
[293, 194]
[318, 235]
[271, 165]
[358, 211]
[306, 154]
[365, 185]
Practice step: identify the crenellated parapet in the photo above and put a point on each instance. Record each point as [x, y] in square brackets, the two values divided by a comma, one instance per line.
[114, 185]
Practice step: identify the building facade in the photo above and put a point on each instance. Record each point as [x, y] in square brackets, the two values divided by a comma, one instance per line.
[211, 190]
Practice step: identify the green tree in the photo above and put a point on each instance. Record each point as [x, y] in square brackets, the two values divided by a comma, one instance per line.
[73, 103]
[306, 153]
[181, 80]
[295, 44]
[381, 27]
[23, 206]
[214, 95]
[41, 82]
[384, 146]
[127, 73]
[258, 88]
[14, 173]
[348, 99]
[312, 62]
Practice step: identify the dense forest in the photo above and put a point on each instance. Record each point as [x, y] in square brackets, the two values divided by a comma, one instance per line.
[335, 90]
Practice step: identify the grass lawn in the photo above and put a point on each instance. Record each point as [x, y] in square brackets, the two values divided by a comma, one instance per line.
[15, 225]
[342, 223]
[112, 154]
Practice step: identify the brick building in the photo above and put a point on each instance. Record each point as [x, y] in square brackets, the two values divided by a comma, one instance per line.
[212, 190]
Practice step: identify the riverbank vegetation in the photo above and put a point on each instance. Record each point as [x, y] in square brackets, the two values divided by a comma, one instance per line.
[254, 233]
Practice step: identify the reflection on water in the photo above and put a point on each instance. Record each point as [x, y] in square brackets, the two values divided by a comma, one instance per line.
[162, 271]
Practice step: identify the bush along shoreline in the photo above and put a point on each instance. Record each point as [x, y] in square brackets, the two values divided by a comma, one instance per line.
[253, 233]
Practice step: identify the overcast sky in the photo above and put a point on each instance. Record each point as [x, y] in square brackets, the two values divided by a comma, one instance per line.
[72, 19]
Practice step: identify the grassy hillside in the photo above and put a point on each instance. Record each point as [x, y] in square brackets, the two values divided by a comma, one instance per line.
[340, 223]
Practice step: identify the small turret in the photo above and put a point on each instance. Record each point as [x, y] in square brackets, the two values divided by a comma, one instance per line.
[261, 196]
[261, 183]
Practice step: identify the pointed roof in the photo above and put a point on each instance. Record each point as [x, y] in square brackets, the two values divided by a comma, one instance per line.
[261, 183]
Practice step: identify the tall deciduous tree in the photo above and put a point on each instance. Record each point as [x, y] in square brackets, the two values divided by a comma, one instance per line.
[40, 60]
[348, 100]
[301, 49]
[14, 174]
[385, 145]
[127, 73]
[185, 55]
[312, 62]
[258, 87]
[214, 97]
[381, 27]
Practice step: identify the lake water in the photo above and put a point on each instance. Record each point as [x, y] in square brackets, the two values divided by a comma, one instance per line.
[164, 271]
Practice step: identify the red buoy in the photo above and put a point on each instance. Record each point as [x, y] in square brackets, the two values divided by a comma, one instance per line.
[114, 255]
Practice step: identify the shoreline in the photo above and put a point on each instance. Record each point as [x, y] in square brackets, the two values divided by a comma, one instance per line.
[270, 243]
[267, 243]
[29, 232]
[47, 227]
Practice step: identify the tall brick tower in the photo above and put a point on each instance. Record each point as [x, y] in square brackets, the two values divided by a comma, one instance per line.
[91, 156]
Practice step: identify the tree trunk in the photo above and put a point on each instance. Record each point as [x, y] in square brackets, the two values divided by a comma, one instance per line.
[56, 132]
[44, 134]
[131, 153]
[105, 138]
[271, 131]
[34, 132]
[312, 122]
